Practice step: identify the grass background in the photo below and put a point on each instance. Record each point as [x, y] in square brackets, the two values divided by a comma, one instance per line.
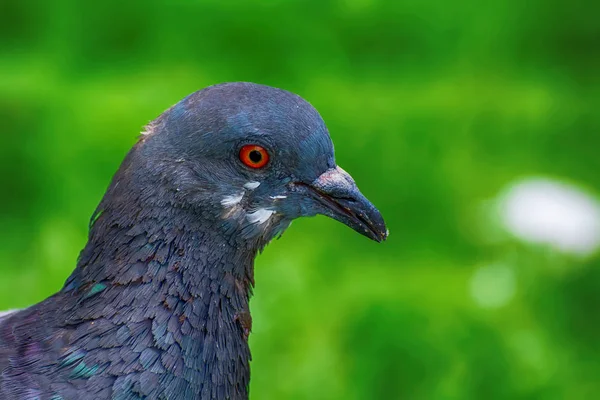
[434, 107]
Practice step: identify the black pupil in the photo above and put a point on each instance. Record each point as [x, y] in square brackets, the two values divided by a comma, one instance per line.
[255, 156]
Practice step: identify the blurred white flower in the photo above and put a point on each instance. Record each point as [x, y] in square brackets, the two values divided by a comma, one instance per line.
[549, 212]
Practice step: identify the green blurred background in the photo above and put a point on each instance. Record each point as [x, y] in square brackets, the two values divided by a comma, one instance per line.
[435, 107]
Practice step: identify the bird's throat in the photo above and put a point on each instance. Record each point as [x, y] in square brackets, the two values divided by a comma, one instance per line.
[182, 286]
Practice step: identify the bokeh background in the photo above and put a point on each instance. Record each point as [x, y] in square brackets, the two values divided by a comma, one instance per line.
[474, 128]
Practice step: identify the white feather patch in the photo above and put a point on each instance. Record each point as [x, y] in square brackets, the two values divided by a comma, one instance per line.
[259, 216]
[8, 312]
[251, 185]
[232, 200]
[278, 197]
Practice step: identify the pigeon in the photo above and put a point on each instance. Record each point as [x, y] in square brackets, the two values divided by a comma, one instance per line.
[158, 304]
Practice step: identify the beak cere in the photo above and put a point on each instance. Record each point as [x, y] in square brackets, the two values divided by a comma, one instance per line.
[340, 199]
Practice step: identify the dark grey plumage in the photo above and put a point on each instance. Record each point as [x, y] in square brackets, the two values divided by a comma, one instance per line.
[157, 307]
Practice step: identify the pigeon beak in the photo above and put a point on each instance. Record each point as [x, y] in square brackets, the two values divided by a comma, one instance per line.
[341, 200]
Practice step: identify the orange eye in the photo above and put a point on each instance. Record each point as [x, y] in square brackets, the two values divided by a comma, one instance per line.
[254, 156]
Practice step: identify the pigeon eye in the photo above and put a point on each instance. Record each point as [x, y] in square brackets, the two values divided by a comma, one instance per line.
[254, 156]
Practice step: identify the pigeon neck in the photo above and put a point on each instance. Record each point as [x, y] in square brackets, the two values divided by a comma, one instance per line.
[164, 268]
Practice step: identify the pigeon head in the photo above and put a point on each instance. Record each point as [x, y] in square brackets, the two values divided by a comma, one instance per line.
[249, 159]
